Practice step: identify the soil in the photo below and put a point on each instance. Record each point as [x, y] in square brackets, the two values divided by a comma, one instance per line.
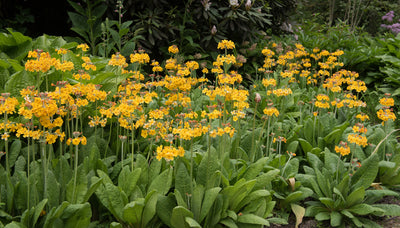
[386, 221]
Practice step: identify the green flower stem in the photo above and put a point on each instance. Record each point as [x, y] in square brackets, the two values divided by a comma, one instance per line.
[133, 148]
[75, 173]
[6, 144]
[191, 166]
[252, 151]
[44, 164]
[268, 130]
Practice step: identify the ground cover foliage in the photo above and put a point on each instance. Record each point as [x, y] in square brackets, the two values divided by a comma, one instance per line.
[132, 142]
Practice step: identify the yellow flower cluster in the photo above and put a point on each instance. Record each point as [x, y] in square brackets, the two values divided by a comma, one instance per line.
[357, 139]
[270, 111]
[387, 101]
[173, 49]
[169, 152]
[226, 44]
[42, 63]
[269, 82]
[83, 47]
[140, 58]
[76, 141]
[118, 60]
[385, 115]
[343, 149]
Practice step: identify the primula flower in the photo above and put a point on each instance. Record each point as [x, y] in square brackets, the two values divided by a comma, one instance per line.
[357, 139]
[117, 60]
[83, 47]
[362, 117]
[173, 49]
[343, 149]
[387, 101]
[140, 58]
[270, 111]
[169, 152]
[386, 115]
[226, 44]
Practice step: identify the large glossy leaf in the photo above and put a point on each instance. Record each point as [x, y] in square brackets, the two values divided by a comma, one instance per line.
[18, 81]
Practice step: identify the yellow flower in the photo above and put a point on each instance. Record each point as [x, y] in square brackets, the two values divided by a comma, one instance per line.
[343, 149]
[362, 117]
[226, 44]
[5, 136]
[387, 101]
[117, 60]
[140, 58]
[386, 115]
[173, 49]
[84, 47]
[271, 111]
[357, 139]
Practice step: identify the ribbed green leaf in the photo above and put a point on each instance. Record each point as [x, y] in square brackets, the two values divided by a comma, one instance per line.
[366, 174]
[178, 218]
[252, 219]
[132, 212]
[77, 215]
[336, 218]
[162, 183]
[149, 210]
[18, 81]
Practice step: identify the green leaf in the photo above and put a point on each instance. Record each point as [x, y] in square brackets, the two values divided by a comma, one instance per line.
[92, 189]
[14, 152]
[192, 222]
[314, 161]
[389, 209]
[78, 21]
[162, 183]
[178, 218]
[229, 223]
[77, 215]
[37, 211]
[149, 210]
[365, 209]
[252, 219]
[254, 169]
[355, 197]
[53, 190]
[182, 179]
[164, 207]
[336, 218]
[78, 195]
[366, 174]
[132, 212]
[18, 81]
[321, 216]
[306, 146]
[299, 212]
[54, 214]
[196, 201]
[127, 180]
[328, 202]
[293, 197]
[207, 167]
[264, 180]
[209, 199]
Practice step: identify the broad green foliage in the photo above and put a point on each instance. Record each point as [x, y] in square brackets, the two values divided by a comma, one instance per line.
[125, 142]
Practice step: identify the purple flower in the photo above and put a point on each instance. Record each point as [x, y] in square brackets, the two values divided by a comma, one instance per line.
[389, 16]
